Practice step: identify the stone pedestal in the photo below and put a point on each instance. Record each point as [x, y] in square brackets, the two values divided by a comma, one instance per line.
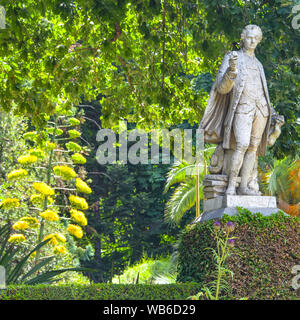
[227, 204]
[215, 185]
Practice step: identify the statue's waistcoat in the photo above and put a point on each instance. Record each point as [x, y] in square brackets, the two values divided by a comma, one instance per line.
[235, 96]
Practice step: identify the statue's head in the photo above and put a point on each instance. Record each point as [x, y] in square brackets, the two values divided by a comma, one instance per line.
[251, 36]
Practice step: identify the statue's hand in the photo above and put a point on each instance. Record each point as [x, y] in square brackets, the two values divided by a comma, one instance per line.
[275, 129]
[233, 57]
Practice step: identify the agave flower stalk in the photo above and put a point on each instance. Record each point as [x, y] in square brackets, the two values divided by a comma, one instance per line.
[52, 168]
[48, 179]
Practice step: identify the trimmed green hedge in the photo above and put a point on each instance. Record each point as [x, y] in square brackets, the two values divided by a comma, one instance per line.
[101, 292]
[266, 250]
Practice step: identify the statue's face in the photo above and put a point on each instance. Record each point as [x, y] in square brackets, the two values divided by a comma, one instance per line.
[251, 40]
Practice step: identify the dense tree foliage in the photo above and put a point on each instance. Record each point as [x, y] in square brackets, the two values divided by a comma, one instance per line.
[138, 54]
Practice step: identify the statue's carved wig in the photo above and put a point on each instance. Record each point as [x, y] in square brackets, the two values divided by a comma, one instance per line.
[251, 27]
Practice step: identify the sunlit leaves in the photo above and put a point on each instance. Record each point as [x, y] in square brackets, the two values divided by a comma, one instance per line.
[140, 55]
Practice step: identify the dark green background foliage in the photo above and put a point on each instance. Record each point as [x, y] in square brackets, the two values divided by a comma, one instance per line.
[101, 292]
[126, 218]
[266, 249]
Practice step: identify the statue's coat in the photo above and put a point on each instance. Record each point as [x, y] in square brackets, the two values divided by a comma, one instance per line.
[223, 101]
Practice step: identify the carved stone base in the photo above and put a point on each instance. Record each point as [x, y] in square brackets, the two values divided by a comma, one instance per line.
[215, 185]
[226, 204]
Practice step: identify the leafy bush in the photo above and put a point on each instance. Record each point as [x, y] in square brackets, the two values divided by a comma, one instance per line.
[101, 292]
[266, 250]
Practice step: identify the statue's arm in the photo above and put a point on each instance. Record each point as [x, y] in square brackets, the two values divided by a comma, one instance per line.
[225, 77]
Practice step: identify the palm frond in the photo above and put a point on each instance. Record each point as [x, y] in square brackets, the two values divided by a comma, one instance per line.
[179, 173]
[184, 196]
[279, 180]
[183, 199]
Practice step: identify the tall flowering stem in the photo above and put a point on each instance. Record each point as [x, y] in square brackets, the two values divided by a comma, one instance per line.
[224, 245]
[48, 179]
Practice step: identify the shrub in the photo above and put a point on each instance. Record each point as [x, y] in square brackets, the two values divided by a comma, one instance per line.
[266, 250]
[100, 292]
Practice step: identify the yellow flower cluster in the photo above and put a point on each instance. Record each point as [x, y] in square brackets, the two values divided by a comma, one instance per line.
[38, 199]
[78, 202]
[55, 238]
[79, 217]
[58, 132]
[32, 221]
[73, 134]
[73, 146]
[81, 186]
[17, 174]
[78, 158]
[50, 215]
[74, 122]
[60, 237]
[50, 146]
[65, 172]
[43, 188]
[60, 250]
[16, 238]
[20, 225]
[9, 203]
[75, 231]
[27, 159]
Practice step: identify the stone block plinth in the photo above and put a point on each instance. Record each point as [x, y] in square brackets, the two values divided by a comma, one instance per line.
[215, 185]
[227, 204]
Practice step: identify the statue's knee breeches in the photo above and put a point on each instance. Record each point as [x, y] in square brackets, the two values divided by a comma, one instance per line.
[242, 127]
[242, 147]
[258, 128]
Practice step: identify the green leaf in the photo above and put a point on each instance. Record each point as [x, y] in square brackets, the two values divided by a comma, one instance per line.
[36, 268]
[4, 233]
[8, 256]
[13, 276]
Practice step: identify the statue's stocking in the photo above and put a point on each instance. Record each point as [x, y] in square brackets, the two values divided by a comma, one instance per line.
[247, 168]
[236, 163]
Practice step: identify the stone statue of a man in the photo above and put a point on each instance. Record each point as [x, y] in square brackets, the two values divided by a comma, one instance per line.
[238, 114]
